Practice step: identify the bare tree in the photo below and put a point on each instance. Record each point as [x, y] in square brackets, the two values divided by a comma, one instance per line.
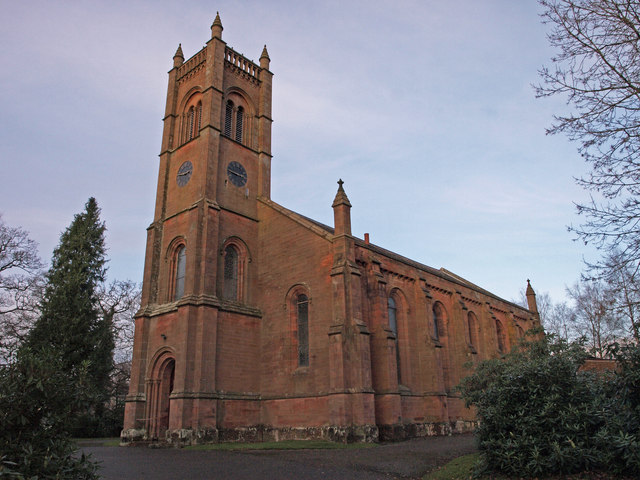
[21, 282]
[624, 284]
[598, 70]
[119, 301]
[561, 321]
[594, 315]
[556, 318]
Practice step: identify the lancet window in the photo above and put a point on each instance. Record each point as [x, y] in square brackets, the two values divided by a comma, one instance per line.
[180, 265]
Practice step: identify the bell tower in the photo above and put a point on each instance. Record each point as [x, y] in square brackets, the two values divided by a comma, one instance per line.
[215, 163]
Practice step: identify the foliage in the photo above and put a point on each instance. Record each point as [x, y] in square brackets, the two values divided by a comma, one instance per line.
[598, 70]
[20, 284]
[36, 399]
[540, 415]
[70, 322]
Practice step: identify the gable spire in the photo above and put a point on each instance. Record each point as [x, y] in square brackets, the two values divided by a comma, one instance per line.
[531, 298]
[341, 211]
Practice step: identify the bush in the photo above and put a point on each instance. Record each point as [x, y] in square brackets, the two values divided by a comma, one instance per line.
[36, 401]
[540, 415]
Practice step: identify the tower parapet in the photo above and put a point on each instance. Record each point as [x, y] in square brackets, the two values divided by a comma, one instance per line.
[193, 65]
[241, 64]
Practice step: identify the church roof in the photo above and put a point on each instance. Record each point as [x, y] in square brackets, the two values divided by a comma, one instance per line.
[328, 232]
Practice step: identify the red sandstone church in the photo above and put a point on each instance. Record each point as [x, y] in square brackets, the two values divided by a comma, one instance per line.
[258, 323]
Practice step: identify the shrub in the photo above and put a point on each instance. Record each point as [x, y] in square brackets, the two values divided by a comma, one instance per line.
[540, 415]
[36, 399]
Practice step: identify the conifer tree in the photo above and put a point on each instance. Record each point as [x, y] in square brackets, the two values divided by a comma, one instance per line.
[70, 322]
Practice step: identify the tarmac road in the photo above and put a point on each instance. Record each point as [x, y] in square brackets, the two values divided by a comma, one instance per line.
[403, 460]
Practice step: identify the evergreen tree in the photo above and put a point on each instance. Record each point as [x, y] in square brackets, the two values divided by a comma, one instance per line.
[70, 322]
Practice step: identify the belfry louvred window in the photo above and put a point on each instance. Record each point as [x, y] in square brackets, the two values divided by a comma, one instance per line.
[239, 123]
[228, 118]
[198, 122]
[190, 121]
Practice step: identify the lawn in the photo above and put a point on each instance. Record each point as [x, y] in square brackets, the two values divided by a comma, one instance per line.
[461, 468]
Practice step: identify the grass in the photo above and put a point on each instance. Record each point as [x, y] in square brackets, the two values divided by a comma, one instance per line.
[461, 468]
[97, 442]
[284, 445]
[457, 469]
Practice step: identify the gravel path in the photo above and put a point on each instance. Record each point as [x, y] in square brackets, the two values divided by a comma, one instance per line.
[403, 460]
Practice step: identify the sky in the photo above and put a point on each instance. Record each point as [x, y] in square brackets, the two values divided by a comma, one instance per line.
[424, 108]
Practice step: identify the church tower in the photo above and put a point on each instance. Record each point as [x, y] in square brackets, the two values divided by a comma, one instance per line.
[201, 247]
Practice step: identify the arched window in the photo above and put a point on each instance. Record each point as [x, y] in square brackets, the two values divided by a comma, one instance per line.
[239, 122]
[302, 320]
[501, 337]
[519, 331]
[180, 269]
[441, 336]
[393, 322]
[191, 118]
[230, 288]
[228, 117]
[392, 309]
[438, 320]
[472, 329]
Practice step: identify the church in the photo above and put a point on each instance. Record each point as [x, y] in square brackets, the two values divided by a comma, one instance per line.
[260, 324]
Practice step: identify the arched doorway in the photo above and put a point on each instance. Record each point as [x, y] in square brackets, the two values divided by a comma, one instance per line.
[167, 375]
[159, 389]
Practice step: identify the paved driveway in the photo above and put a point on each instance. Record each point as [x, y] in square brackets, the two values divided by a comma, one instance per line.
[403, 460]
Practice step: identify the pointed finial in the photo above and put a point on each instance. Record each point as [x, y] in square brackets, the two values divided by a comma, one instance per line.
[529, 287]
[264, 59]
[341, 196]
[178, 58]
[216, 27]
